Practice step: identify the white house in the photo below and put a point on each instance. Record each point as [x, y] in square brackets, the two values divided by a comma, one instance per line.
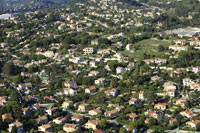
[88, 50]
[113, 92]
[178, 48]
[129, 47]
[187, 82]
[51, 110]
[100, 81]
[69, 84]
[69, 91]
[120, 70]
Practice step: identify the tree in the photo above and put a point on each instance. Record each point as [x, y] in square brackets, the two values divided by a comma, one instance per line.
[113, 82]
[103, 124]
[122, 130]
[179, 118]
[150, 96]
[161, 48]
[9, 69]
[198, 127]
[152, 121]
[14, 129]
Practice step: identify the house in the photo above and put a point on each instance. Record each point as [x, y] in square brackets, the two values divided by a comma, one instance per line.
[193, 123]
[45, 128]
[154, 114]
[187, 81]
[131, 64]
[160, 61]
[71, 51]
[194, 69]
[195, 43]
[77, 59]
[120, 70]
[148, 61]
[42, 120]
[178, 48]
[93, 63]
[134, 101]
[100, 81]
[69, 128]
[93, 73]
[169, 89]
[48, 54]
[69, 84]
[26, 111]
[31, 98]
[18, 125]
[187, 114]
[172, 121]
[51, 111]
[156, 78]
[94, 42]
[169, 86]
[113, 113]
[93, 124]
[181, 102]
[113, 92]
[141, 95]
[119, 56]
[77, 118]
[83, 107]
[69, 91]
[36, 107]
[181, 41]
[60, 120]
[160, 106]
[76, 72]
[132, 116]
[129, 47]
[90, 89]
[95, 112]
[25, 86]
[156, 61]
[103, 51]
[67, 104]
[171, 93]
[88, 50]
[98, 131]
[7, 116]
[120, 108]
[176, 73]
[195, 86]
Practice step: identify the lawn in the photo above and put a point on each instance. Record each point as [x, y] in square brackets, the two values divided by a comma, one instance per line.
[149, 46]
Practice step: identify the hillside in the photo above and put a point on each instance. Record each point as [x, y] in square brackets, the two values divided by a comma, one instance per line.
[26, 5]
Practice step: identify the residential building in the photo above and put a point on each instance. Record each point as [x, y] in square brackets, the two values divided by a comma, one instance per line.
[113, 92]
[77, 118]
[60, 120]
[69, 84]
[83, 107]
[100, 81]
[161, 106]
[88, 50]
[69, 128]
[93, 124]
[18, 125]
[90, 89]
[45, 128]
[95, 112]
[69, 91]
